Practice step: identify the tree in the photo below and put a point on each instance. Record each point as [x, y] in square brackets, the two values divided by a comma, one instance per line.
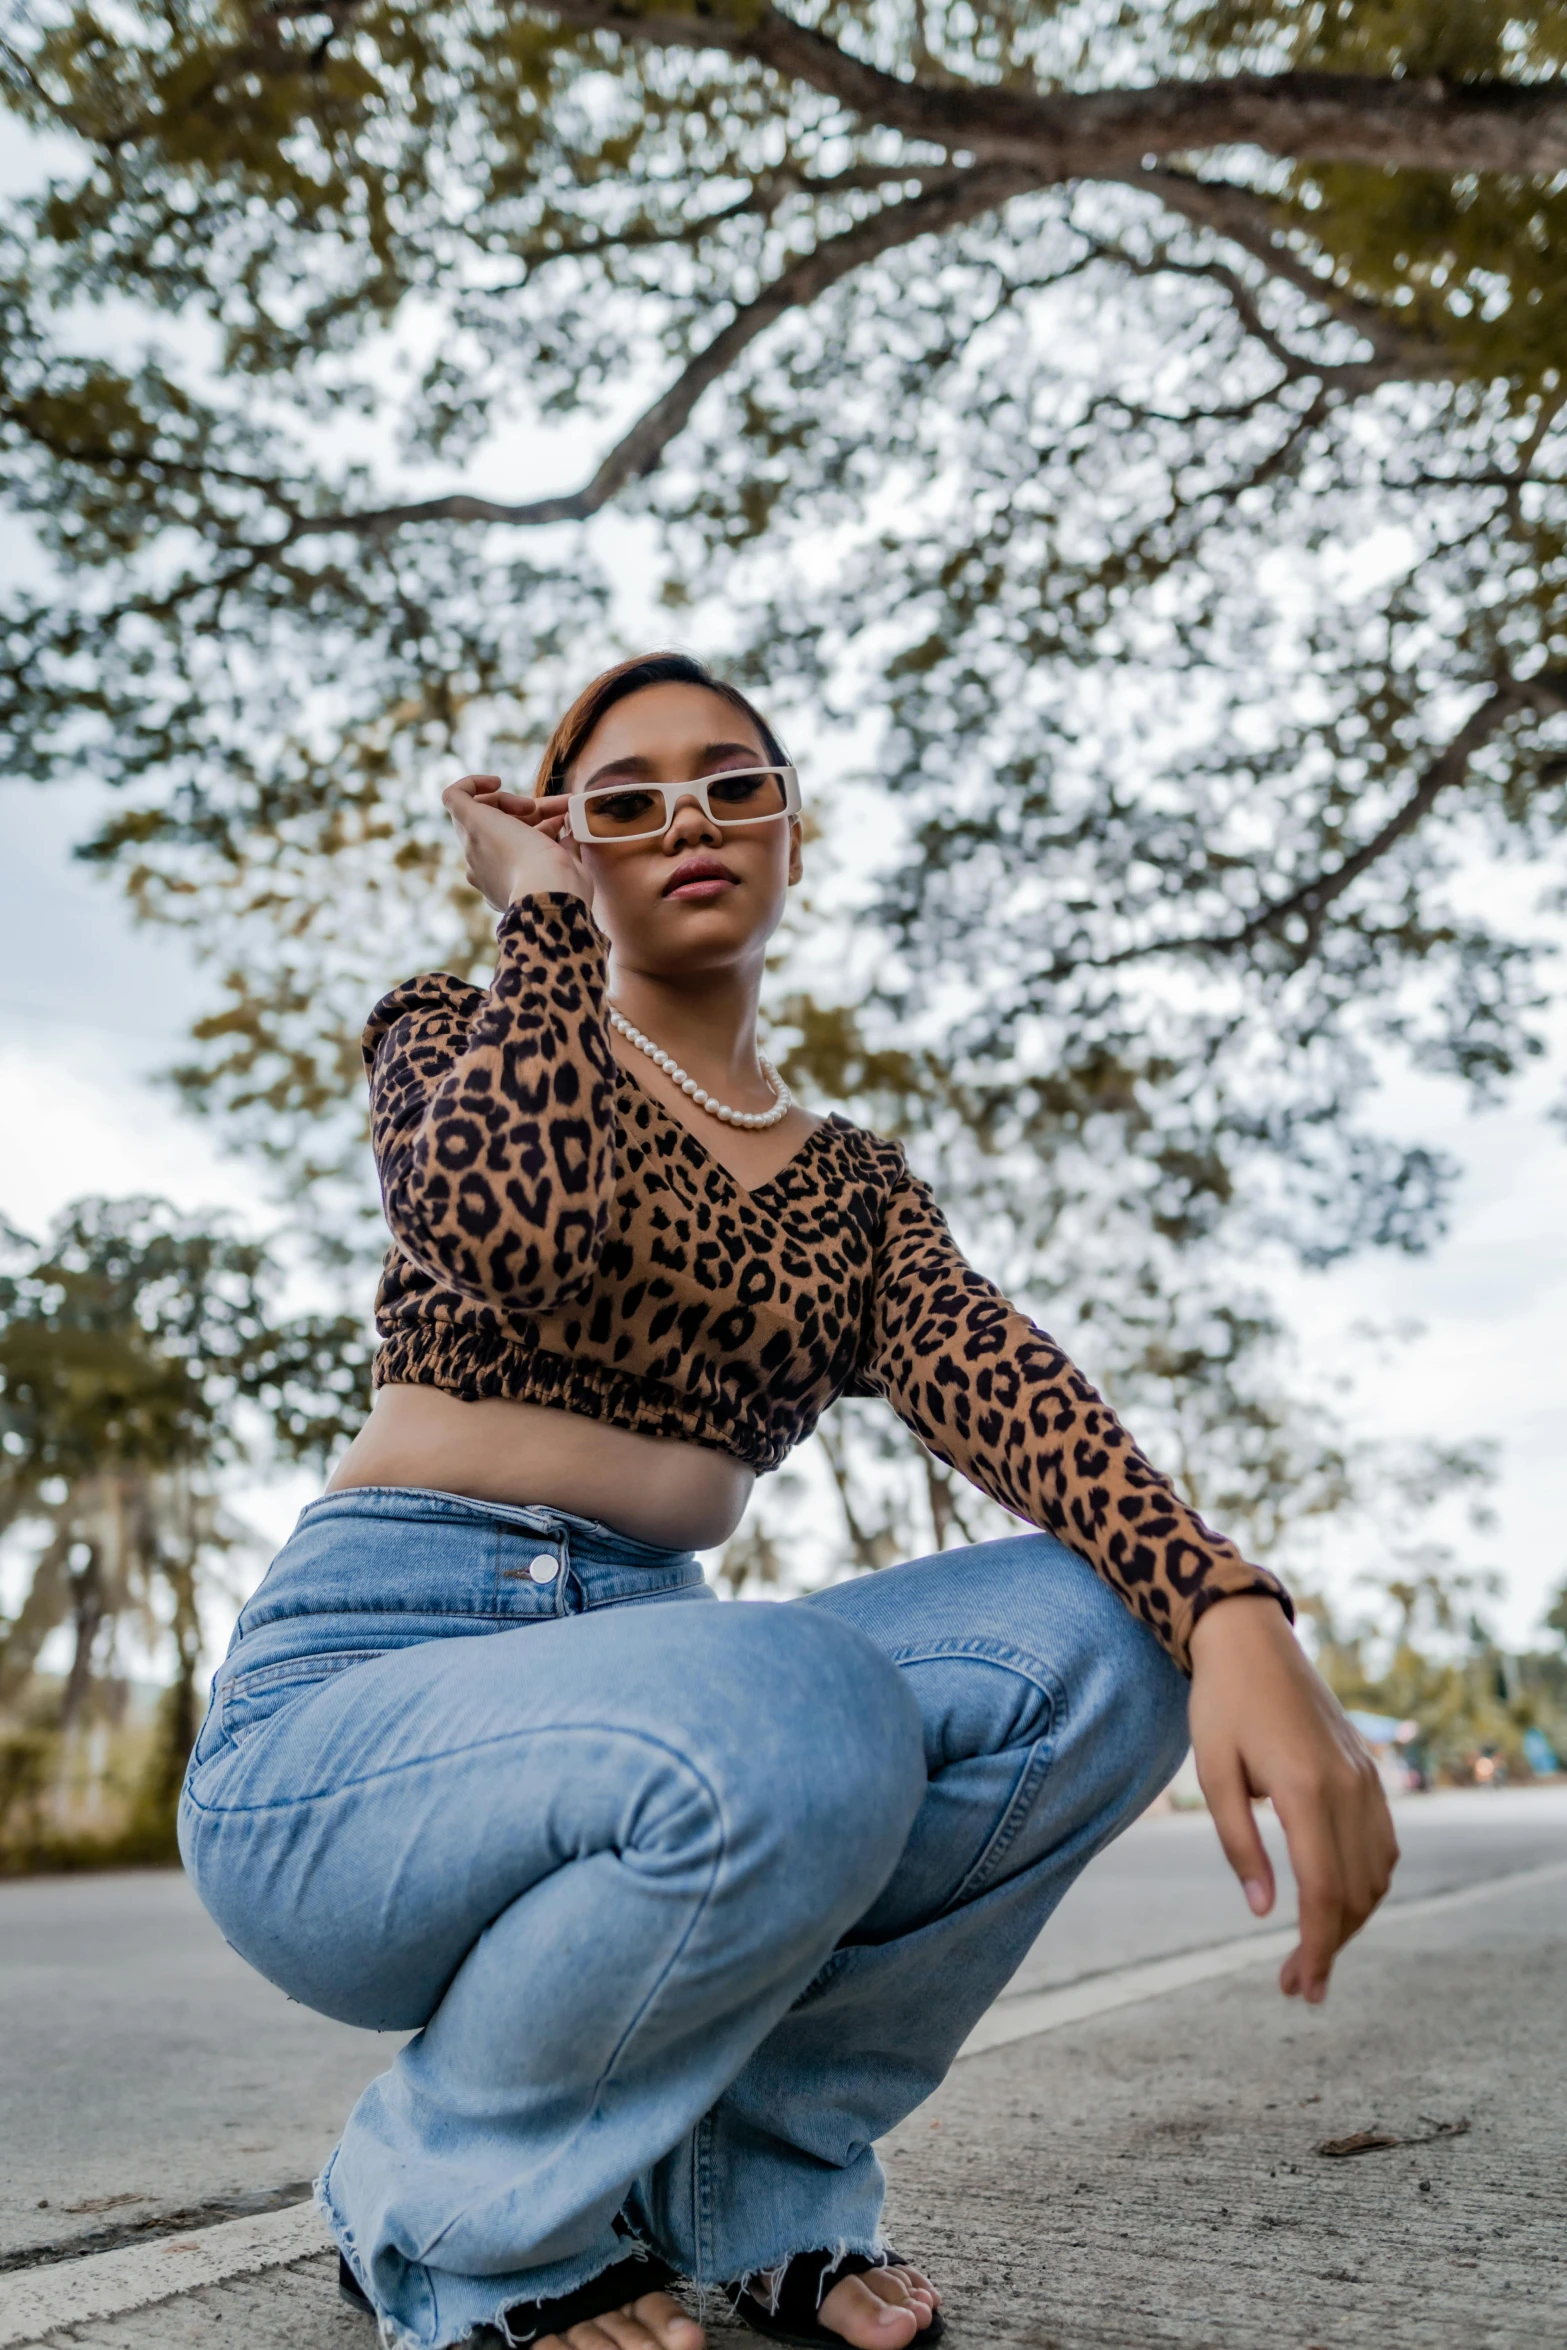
[1556, 1614]
[133, 1345]
[1427, 1656]
[1143, 433]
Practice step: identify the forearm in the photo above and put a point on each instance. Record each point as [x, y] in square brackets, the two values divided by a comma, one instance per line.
[495, 1146]
[994, 1396]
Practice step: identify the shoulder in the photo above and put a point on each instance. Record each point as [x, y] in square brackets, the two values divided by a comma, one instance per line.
[887, 1151]
[877, 1162]
[432, 1007]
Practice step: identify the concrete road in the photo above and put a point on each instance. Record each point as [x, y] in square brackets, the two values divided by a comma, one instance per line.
[150, 2080]
[146, 2072]
[1150, 2179]
[1162, 2176]
[1166, 1885]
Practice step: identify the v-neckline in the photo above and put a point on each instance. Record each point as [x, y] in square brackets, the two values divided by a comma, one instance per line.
[712, 1159]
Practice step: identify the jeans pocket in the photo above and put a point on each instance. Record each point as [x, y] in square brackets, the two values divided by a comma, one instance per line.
[248, 1701]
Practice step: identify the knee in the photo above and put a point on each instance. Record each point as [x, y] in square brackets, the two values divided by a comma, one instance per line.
[825, 1756]
[861, 1760]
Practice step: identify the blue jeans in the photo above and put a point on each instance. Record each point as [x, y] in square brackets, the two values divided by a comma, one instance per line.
[685, 1904]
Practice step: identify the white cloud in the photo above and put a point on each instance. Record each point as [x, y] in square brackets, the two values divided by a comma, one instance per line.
[76, 1123]
[1489, 1303]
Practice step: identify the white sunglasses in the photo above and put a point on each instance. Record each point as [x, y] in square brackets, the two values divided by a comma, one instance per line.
[644, 811]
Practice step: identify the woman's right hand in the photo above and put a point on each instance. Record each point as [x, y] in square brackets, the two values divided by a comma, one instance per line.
[514, 845]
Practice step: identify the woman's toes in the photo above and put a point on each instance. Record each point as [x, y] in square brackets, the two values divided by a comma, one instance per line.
[655, 2322]
[867, 2319]
[905, 2288]
[668, 2323]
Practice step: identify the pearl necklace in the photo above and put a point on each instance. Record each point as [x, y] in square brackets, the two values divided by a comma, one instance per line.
[705, 1101]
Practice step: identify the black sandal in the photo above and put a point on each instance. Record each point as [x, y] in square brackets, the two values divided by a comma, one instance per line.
[530, 2321]
[791, 2313]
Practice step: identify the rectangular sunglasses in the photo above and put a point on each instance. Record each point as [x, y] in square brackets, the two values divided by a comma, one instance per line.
[643, 811]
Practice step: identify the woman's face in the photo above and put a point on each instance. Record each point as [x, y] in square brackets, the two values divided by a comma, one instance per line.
[649, 895]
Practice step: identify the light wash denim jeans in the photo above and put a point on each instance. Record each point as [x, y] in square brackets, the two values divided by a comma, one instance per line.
[685, 1904]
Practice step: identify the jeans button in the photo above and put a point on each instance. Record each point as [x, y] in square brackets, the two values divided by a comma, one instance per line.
[544, 1568]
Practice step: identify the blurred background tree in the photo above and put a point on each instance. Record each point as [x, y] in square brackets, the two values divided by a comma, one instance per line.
[1127, 445]
[141, 1362]
[1424, 1656]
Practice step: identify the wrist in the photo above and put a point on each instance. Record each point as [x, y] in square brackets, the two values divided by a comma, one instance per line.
[1240, 1619]
[528, 885]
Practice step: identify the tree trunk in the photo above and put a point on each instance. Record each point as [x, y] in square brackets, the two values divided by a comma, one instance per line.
[87, 1613]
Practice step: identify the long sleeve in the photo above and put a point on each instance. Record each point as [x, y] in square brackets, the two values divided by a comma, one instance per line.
[991, 1395]
[492, 1114]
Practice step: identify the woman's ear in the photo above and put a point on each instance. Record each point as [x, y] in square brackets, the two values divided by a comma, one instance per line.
[796, 855]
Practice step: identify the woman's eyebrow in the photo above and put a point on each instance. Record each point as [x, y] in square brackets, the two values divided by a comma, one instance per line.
[635, 764]
[631, 764]
[725, 750]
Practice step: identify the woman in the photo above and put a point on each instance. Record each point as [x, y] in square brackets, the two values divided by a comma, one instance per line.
[687, 1905]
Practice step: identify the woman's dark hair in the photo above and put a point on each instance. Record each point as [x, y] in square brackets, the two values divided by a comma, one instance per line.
[629, 677]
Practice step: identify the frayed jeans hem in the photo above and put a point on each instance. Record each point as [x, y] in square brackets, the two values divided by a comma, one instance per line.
[872, 2248]
[445, 2334]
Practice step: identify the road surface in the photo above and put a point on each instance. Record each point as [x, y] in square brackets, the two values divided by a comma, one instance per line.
[151, 2081]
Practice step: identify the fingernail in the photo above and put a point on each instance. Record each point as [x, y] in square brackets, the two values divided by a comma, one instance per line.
[1256, 1893]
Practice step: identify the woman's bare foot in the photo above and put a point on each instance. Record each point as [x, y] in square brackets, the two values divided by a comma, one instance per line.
[882, 2310]
[655, 2322]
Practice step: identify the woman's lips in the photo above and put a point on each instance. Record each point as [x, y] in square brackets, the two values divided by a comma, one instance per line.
[707, 885]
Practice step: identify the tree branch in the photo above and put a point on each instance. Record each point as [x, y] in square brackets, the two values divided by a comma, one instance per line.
[767, 195]
[871, 1546]
[961, 197]
[1311, 901]
[1545, 695]
[1428, 125]
[1251, 221]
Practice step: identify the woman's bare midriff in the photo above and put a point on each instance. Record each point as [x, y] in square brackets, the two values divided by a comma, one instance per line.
[655, 1489]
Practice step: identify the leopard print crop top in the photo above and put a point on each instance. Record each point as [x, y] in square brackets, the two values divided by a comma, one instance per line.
[559, 1238]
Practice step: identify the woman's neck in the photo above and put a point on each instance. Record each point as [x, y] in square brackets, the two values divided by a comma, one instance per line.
[707, 1021]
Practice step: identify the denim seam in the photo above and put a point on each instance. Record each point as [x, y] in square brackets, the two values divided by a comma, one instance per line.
[826, 1975]
[263, 1680]
[516, 1618]
[1036, 1770]
[419, 1762]
[992, 1652]
[384, 1613]
[699, 1910]
[327, 1661]
[389, 2330]
[1037, 1762]
[702, 2189]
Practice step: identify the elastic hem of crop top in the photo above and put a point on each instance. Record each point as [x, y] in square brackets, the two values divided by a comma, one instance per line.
[490, 1370]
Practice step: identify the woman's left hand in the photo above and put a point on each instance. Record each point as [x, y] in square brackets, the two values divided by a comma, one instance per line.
[1264, 1722]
